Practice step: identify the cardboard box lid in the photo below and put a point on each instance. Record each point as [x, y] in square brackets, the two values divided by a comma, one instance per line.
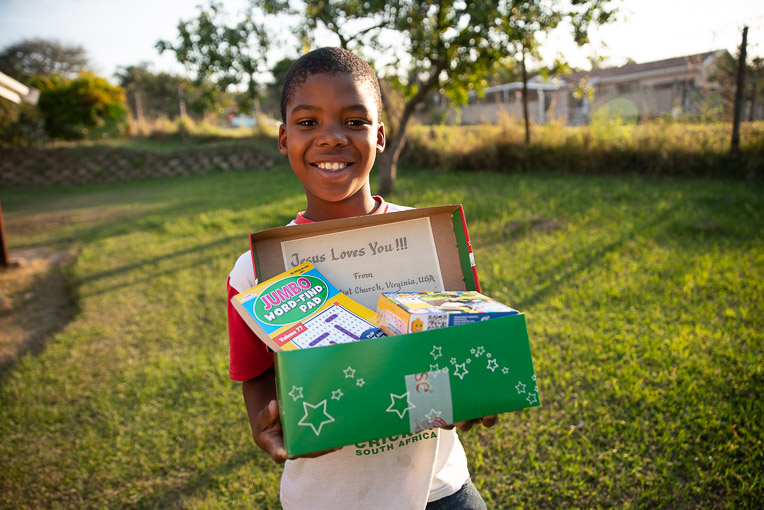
[449, 235]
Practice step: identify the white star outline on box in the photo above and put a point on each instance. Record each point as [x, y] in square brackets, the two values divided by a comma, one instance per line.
[329, 418]
[438, 372]
[337, 394]
[505, 370]
[531, 398]
[492, 365]
[360, 382]
[480, 351]
[432, 414]
[436, 352]
[463, 367]
[391, 408]
[349, 372]
[520, 387]
[296, 393]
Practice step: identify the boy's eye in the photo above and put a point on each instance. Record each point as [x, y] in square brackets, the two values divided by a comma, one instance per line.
[356, 123]
[306, 122]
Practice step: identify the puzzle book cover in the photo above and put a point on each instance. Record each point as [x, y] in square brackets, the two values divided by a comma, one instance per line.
[300, 308]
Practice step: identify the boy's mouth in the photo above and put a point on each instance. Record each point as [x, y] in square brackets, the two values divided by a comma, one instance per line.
[332, 167]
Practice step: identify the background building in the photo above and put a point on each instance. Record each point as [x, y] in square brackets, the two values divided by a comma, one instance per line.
[674, 86]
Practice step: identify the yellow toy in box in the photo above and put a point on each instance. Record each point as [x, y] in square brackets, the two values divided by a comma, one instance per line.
[399, 313]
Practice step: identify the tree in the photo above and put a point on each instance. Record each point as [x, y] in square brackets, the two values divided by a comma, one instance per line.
[520, 22]
[42, 57]
[445, 46]
[221, 54]
[440, 46]
[724, 77]
[272, 94]
[87, 106]
[152, 95]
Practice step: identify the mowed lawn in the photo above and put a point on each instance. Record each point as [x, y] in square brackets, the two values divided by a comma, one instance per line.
[644, 301]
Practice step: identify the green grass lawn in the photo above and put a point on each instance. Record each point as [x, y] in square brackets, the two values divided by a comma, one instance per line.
[644, 300]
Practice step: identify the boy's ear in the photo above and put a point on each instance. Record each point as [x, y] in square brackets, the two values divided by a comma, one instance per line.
[381, 137]
[282, 140]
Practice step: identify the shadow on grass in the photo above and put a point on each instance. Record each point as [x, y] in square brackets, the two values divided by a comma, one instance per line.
[564, 272]
[113, 273]
[41, 307]
[198, 482]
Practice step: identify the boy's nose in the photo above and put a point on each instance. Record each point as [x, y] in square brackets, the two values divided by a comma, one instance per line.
[332, 135]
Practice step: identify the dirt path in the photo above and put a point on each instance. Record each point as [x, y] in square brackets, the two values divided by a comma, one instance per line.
[35, 302]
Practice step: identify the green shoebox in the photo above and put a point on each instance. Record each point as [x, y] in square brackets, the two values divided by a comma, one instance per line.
[407, 384]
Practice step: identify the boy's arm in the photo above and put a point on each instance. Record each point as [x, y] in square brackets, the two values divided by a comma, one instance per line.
[263, 411]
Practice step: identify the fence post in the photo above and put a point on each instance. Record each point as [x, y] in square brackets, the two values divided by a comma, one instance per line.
[5, 258]
[735, 146]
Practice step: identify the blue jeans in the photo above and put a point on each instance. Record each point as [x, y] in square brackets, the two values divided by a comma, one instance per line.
[466, 498]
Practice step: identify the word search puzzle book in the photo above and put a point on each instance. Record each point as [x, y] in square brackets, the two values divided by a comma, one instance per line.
[300, 308]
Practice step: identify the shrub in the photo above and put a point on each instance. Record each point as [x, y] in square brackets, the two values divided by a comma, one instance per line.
[86, 107]
[20, 125]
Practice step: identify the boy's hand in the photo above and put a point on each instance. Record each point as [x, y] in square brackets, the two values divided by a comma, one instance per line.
[487, 421]
[269, 435]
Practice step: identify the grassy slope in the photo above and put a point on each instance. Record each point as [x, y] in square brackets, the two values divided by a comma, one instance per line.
[644, 303]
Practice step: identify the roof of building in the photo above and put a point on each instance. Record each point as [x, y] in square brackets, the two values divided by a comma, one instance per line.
[647, 67]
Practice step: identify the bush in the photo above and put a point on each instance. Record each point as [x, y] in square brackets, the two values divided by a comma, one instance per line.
[86, 107]
[20, 125]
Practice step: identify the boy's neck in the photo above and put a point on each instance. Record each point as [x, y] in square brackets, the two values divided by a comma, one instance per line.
[360, 204]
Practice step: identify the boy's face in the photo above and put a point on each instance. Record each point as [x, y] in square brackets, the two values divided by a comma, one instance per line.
[331, 136]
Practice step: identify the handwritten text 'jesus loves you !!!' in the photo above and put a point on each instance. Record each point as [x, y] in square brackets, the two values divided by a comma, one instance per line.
[374, 248]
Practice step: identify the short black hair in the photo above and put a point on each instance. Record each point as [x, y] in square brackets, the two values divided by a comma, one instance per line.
[330, 61]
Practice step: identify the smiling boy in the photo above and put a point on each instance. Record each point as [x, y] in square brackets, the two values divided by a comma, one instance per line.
[332, 132]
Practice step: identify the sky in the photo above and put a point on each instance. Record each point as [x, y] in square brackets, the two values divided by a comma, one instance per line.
[121, 33]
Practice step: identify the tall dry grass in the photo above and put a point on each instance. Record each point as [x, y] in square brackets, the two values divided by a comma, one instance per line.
[606, 146]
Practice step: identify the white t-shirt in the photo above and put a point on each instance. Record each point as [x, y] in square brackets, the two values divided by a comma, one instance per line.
[399, 472]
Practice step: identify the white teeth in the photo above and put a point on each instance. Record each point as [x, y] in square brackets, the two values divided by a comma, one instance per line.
[331, 166]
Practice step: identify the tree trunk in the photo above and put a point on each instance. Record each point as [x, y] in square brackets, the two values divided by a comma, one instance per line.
[525, 103]
[388, 160]
[735, 146]
[139, 110]
[388, 165]
[257, 110]
[181, 102]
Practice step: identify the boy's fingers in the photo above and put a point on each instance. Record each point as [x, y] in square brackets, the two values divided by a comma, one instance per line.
[280, 455]
[268, 415]
[268, 435]
[489, 421]
[465, 425]
[486, 421]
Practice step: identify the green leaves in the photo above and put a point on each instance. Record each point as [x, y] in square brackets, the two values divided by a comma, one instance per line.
[84, 107]
[222, 53]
